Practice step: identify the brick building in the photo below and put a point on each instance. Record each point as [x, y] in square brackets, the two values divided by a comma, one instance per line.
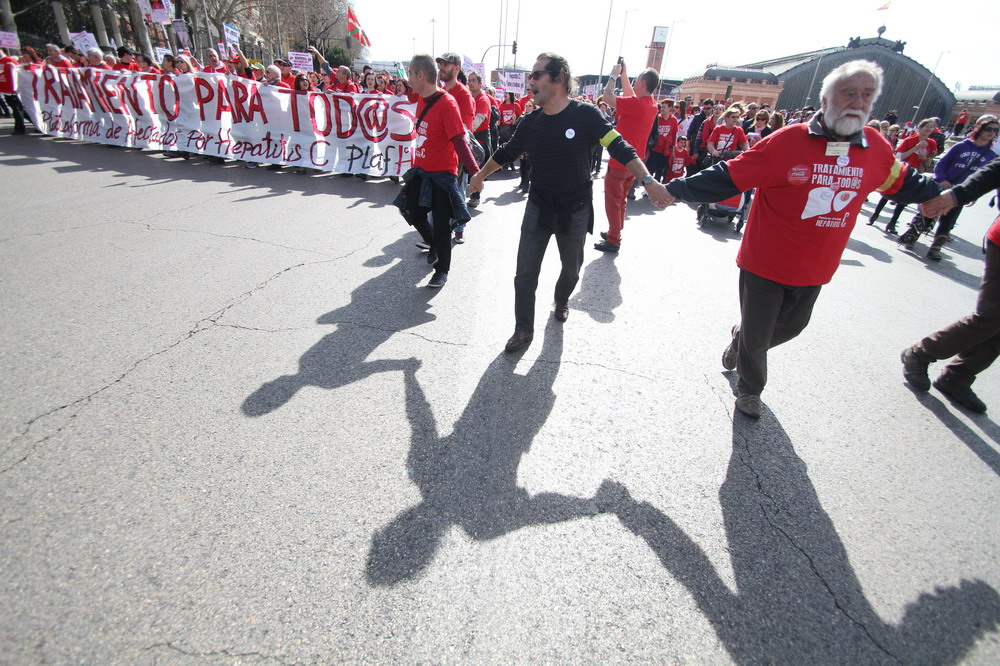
[740, 84]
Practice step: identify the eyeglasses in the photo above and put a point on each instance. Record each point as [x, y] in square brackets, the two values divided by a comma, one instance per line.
[537, 74]
[991, 129]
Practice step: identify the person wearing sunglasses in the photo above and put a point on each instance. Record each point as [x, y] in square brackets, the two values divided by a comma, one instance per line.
[974, 340]
[560, 138]
[953, 168]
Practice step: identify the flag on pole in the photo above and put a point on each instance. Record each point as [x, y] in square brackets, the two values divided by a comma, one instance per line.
[354, 28]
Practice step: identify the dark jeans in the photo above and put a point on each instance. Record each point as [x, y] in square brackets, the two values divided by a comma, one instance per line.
[18, 111]
[657, 165]
[772, 313]
[947, 221]
[974, 340]
[897, 211]
[525, 173]
[438, 234]
[531, 250]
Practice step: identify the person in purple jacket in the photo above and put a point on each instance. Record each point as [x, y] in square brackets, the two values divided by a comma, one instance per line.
[955, 166]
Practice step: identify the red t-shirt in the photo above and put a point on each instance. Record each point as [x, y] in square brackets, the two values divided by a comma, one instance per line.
[707, 128]
[807, 201]
[726, 138]
[126, 67]
[678, 161]
[63, 62]
[635, 120]
[7, 74]
[434, 150]
[466, 105]
[920, 156]
[962, 117]
[509, 112]
[522, 101]
[288, 81]
[667, 130]
[346, 87]
[218, 69]
[482, 106]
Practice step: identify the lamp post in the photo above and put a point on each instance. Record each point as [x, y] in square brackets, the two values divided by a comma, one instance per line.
[916, 109]
[433, 37]
[600, 74]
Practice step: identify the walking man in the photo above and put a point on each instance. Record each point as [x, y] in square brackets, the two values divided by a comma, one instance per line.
[811, 179]
[561, 141]
[974, 340]
[636, 110]
[431, 185]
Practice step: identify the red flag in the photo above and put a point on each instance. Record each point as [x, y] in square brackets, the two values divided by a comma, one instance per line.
[354, 28]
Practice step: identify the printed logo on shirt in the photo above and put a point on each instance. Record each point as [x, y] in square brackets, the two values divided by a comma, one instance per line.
[570, 133]
[418, 148]
[798, 174]
[837, 185]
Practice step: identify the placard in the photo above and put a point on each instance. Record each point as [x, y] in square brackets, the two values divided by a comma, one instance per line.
[301, 61]
[9, 40]
[163, 11]
[231, 34]
[83, 41]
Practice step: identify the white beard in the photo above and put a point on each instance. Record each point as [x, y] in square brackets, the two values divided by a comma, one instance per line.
[847, 122]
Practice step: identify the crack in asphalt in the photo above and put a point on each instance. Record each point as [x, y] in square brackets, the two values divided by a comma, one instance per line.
[199, 326]
[54, 231]
[245, 238]
[746, 461]
[219, 653]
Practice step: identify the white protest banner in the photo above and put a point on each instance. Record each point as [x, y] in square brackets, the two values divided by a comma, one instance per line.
[480, 68]
[222, 116]
[83, 41]
[147, 10]
[466, 64]
[514, 82]
[301, 61]
[221, 49]
[590, 91]
[231, 33]
[160, 52]
[163, 11]
[9, 40]
[181, 30]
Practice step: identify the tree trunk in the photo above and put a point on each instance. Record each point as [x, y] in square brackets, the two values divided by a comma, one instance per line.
[140, 33]
[7, 17]
[57, 10]
[116, 30]
[102, 33]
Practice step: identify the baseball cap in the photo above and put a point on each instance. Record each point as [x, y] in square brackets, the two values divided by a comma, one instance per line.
[451, 57]
[282, 62]
[257, 65]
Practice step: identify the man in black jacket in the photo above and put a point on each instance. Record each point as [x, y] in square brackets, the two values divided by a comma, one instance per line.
[694, 133]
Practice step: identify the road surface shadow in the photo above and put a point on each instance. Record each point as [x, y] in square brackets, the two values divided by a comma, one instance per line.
[600, 289]
[976, 444]
[381, 307]
[469, 478]
[797, 598]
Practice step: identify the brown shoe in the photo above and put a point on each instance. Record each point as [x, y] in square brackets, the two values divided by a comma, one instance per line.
[518, 340]
[562, 311]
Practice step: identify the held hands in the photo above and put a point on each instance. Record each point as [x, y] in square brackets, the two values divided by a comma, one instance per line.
[659, 195]
[939, 205]
[476, 182]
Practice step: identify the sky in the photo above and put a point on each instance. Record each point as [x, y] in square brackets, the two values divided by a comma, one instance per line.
[964, 49]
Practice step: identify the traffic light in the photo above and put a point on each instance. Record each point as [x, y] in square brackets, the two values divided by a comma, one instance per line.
[513, 48]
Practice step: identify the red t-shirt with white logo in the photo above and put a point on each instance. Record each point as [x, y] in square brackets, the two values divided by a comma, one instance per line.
[509, 112]
[728, 138]
[434, 150]
[667, 130]
[7, 74]
[679, 161]
[635, 120]
[346, 87]
[918, 157]
[217, 69]
[807, 200]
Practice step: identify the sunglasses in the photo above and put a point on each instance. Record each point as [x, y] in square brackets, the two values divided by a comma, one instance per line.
[993, 129]
[537, 74]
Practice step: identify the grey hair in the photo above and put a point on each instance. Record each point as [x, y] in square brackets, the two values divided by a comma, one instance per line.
[424, 63]
[272, 71]
[93, 51]
[846, 71]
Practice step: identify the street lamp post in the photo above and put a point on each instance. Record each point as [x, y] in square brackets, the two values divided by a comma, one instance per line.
[930, 78]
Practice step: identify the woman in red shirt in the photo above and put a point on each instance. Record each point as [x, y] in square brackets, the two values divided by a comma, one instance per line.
[728, 136]
[917, 150]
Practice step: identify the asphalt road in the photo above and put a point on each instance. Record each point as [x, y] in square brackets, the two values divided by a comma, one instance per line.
[237, 428]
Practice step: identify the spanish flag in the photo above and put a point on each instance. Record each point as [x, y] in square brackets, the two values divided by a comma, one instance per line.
[354, 28]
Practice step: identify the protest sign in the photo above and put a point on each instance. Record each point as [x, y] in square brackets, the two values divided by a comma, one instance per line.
[146, 9]
[591, 90]
[9, 40]
[222, 116]
[180, 29]
[301, 61]
[83, 41]
[480, 68]
[163, 11]
[513, 82]
[160, 52]
[231, 34]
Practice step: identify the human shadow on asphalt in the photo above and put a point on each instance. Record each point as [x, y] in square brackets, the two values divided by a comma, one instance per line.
[854, 245]
[468, 479]
[797, 598]
[976, 444]
[381, 307]
[600, 289]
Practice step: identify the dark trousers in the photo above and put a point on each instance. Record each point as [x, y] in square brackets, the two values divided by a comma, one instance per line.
[525, 173]
[896, 212]
[657, 165]
[18, 111]
[531, 251]
[947, 221]
[438, 234]
[771, 313]
[974, 340]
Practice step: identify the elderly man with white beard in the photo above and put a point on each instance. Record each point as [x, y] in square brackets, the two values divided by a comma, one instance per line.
[811, 179]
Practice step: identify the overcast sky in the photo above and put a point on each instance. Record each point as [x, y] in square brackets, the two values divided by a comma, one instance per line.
[723, 32]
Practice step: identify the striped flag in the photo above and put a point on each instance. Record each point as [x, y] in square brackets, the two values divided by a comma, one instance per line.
[354, 28]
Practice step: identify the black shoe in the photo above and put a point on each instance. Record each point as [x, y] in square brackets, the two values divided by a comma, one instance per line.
[963, 395]
[730, 353]
[891, 230]
[432, 256]
[749, 404]
[424, 245]
[604, 235]
[438, 280]
[915, 369]
[562, 312]
[871, 220]
[606, 246]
